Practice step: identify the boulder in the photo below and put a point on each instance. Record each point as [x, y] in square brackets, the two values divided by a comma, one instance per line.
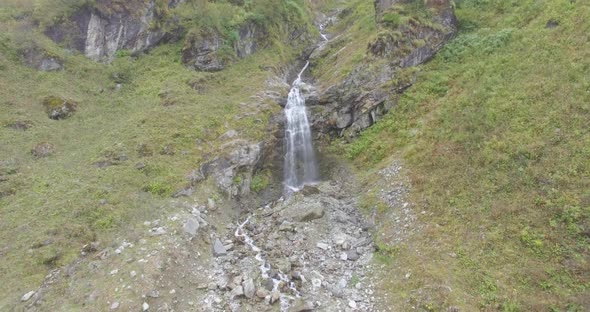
[218, 248]
[41, 60]
[43, 149]
[249, 288]
[191, 226]
[301, 305]
[58, 107]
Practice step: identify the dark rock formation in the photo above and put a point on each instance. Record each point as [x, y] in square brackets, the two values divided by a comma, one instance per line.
[105, 28]
[41, 60]
[210, 51]
[370, 90]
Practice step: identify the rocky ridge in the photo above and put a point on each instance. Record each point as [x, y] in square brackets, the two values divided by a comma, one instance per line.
[370, 91]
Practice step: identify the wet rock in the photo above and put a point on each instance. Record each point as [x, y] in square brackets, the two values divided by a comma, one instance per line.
[275, 296]
[218, 248]
[58, 107]
[268, 284]
[27, 296]
[249, 288]
[43, 149]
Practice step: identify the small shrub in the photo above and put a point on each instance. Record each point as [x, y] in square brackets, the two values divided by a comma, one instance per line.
[260, 182]
[392, 20]
[158, 188]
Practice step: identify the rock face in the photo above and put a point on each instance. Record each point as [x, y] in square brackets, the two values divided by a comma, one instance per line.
[373, 87]
[41, 60]
[105, 28]
[233, 172]
[207, 50]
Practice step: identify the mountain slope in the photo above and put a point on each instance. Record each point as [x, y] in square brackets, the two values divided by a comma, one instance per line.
[496, 139]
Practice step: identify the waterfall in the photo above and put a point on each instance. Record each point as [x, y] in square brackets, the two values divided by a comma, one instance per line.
[300, 164]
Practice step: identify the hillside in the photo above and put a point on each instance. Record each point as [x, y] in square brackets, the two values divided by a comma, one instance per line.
[142, 148]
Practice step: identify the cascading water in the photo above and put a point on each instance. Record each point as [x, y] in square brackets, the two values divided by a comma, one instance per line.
[300, 163]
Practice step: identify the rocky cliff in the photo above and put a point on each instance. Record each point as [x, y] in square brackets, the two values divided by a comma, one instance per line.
[409, 34]
[99, 31]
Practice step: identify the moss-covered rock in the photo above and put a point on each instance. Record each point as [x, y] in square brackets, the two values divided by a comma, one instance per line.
[43, 149]
[58, 107]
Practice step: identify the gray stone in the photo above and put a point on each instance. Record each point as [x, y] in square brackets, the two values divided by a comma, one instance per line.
[191, 226]
[312, 213]
[218, 248]
[115, 305]
[287, 226]
[301, 305]
[153, 294]
[211, 204]
[352, 255]
[249, 288]
[237, 292]
[27, 296]
[261, 293]
[323, 246]
[158, 231]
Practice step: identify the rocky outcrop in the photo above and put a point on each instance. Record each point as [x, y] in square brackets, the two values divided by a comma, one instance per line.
[105, 28]
[58, 107]
[41, 60]
[373, 87]
[209, 51]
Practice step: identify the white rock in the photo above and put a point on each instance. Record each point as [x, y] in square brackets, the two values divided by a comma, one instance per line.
[133, 274]
[145, 306]
[323, 246]
[343, 256]
[27, 296]
[352, 304]
[115, 306]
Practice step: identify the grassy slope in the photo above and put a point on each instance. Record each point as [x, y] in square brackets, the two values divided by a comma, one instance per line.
[496, 136]
[57, 198]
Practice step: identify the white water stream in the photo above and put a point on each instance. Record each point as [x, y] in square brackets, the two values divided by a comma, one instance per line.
[300, 163]
[264, 267]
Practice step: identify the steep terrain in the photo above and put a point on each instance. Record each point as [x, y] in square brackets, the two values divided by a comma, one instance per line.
[141, 155]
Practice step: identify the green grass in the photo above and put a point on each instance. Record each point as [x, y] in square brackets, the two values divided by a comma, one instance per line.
[65, 199]
[496, 137]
